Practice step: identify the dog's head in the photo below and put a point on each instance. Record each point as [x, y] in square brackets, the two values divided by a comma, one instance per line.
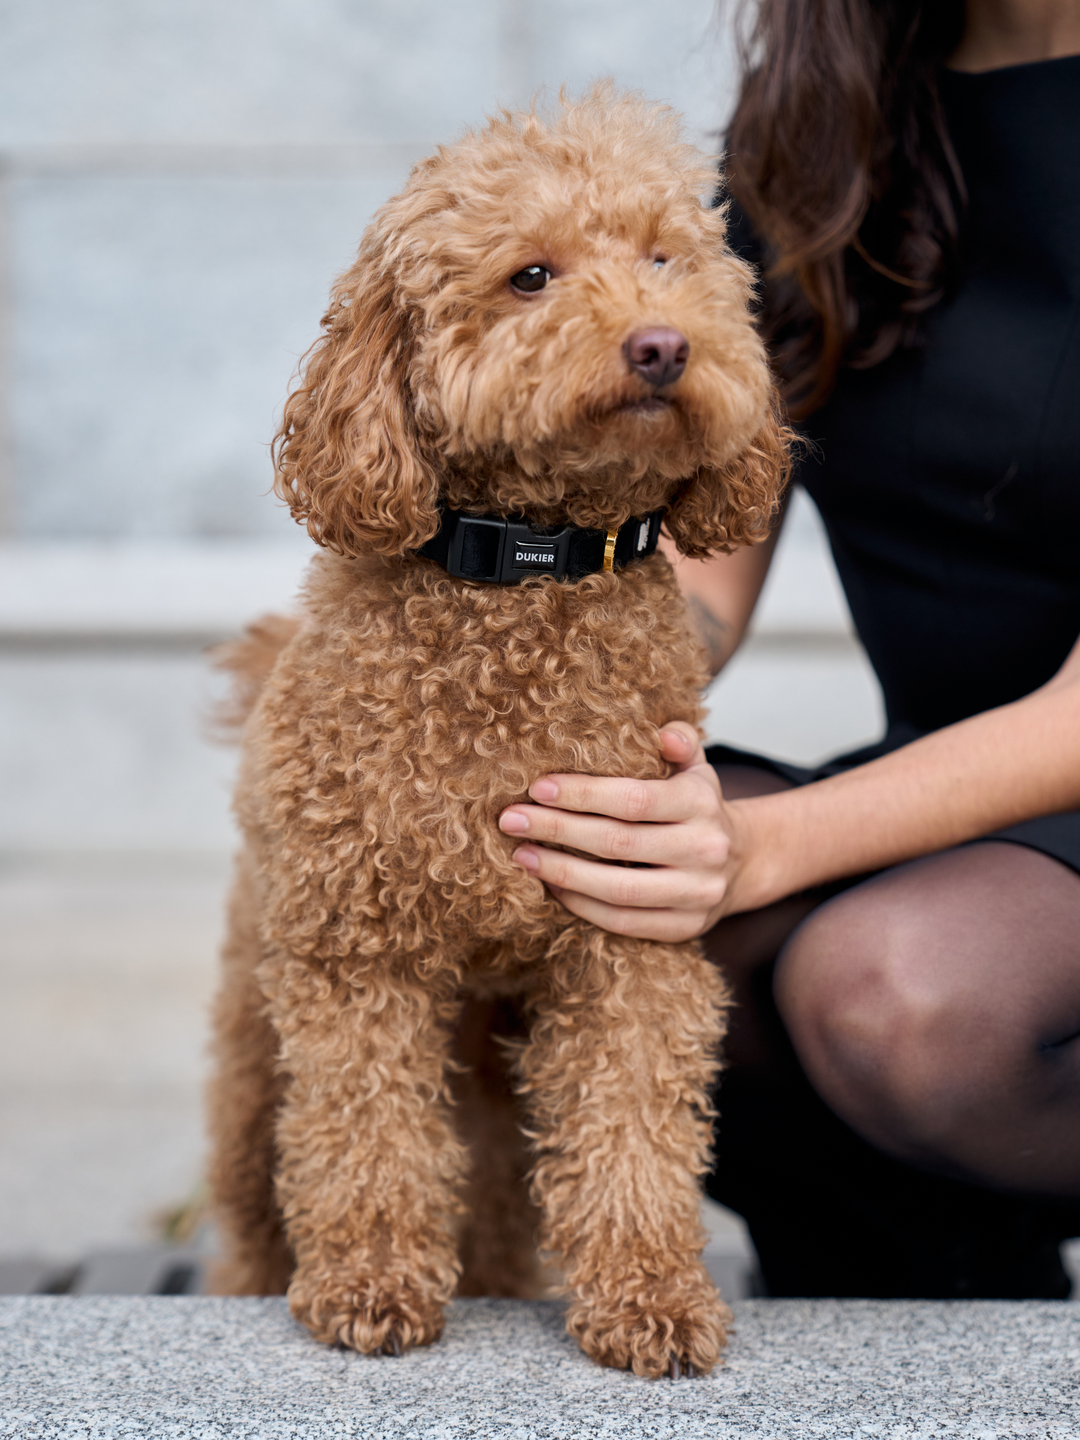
[546, 321]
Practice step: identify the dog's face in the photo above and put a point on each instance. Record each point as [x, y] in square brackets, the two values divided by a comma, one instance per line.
[545, 320]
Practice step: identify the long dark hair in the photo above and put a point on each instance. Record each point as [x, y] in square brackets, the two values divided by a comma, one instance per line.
[839, 154]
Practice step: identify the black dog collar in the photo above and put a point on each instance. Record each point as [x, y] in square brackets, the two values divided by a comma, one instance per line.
[502, 551]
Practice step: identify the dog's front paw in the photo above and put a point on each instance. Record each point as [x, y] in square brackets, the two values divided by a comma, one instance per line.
[366, 1313]
[674, 1326]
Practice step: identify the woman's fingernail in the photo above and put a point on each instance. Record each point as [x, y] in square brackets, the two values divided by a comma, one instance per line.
[528, 860]
[513, 822]
[544, 790]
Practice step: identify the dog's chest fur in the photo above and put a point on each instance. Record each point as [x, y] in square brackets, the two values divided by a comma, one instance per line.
[411, 709]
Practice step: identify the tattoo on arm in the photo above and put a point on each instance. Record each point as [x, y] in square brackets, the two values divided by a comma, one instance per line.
[711, 631]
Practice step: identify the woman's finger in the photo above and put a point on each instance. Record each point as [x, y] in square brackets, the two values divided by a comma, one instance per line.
[670, 926]
[624, 886]
[682, 745]
[614, 839]
[682, 796]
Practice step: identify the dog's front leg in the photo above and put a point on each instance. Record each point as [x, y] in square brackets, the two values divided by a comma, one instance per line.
[618, 1071]
[370, 1167]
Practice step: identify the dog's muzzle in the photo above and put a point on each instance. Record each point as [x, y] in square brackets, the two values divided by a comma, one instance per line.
[498, 550]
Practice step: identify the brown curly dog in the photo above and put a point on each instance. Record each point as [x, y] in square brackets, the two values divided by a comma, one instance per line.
[427, 1068]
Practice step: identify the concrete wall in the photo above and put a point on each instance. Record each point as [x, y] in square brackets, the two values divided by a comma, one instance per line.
[179, 183]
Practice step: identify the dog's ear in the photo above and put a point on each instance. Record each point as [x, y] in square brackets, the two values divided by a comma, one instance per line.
[720, 509]
[350, 460]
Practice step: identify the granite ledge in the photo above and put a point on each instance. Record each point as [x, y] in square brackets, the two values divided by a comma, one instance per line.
[212, 1369]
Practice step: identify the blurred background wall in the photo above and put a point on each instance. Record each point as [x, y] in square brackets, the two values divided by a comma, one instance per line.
[179, 182]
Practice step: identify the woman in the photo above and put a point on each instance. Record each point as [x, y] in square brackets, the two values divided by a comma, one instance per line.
[901, 1112]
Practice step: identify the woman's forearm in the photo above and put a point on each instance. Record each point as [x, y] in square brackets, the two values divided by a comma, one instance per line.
[992, 770]
[720, 595]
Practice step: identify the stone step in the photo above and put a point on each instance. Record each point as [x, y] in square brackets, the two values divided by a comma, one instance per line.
[34, 1276]
[144, 1270]
[217, 1369]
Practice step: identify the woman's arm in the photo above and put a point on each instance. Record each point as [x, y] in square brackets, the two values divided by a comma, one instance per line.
[721, 593]
[994, 769]
[712, 857]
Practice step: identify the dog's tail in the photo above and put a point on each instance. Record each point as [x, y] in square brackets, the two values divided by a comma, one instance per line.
[249, 661]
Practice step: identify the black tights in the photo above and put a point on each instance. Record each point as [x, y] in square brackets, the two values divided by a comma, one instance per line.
[901, 1110]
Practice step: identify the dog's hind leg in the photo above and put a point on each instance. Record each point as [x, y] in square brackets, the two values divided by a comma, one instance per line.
[371, 1170]
[497, 1244]
[619, 1068]
[244, 1096]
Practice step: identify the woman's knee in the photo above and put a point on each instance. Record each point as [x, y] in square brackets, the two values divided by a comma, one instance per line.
[963, 960]
[936, 1007]
[877, 1017]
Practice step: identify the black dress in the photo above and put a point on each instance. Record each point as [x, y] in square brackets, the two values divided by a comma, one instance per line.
[948, 477]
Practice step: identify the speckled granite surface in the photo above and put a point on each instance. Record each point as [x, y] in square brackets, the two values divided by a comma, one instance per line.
[119, 1368]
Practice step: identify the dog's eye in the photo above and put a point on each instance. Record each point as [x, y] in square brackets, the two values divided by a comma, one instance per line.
[659, 261]
[531, 279]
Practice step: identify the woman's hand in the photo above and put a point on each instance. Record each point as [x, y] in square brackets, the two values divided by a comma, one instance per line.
[680, 828]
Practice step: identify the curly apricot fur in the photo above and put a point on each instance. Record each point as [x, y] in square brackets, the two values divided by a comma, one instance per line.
[426, 1065]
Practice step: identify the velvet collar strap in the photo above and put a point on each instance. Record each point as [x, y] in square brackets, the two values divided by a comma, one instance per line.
[497, 550]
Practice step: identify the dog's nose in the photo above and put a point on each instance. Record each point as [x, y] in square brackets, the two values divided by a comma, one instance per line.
[658, 355]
